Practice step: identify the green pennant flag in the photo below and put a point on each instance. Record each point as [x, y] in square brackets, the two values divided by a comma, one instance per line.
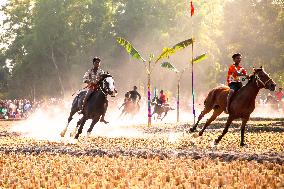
[200, 58]
[169, 66]
[167, 51]
[129, 48]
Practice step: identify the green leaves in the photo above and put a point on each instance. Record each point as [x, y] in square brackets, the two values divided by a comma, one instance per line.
[183, 44]
[129, 48]
[195, 60]
[169, 66]
[200, 58]
[167, 52]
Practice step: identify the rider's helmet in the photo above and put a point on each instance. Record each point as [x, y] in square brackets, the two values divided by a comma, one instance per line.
[96, 59]
[236, 55]
[135, 88]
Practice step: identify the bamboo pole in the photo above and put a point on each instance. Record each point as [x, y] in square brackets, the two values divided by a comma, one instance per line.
[149, 94]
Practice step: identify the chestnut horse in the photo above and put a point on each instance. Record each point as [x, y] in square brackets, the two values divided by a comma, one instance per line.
[131, 108]
[241, 105]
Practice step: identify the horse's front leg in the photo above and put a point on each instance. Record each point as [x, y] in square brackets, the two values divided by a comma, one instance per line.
[244, 122]
[94, 121]
[62, 134]
[164, 115]
[228, 123]
[82, 122]
[72, 134]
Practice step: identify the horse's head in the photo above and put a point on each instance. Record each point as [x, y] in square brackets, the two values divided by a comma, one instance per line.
[107, 85]
[263, 80]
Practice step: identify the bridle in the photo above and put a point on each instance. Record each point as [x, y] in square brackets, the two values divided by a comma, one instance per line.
[258, 80]
[101, 88]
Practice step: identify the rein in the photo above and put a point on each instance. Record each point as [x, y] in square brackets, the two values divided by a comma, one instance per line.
[258, 80]
[100, 87]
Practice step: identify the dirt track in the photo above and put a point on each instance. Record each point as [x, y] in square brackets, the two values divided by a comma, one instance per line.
[165, 152]
[265, 141]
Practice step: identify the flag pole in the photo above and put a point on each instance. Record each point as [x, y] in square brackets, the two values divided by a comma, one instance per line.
[192, 75]
[149, 93]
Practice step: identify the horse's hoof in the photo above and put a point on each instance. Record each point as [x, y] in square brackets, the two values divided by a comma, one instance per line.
[88, 134]
[244, 145]
[62, 134]
[104, 121]
[195, 135]
[192, 130]
[200, 133]
[73, 141]
[214, 145]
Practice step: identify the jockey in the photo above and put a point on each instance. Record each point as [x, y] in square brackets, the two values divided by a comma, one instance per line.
[162, 98]
[134, 94]
[91, 78]
[126, 99]
[279, 95]
[233, 80]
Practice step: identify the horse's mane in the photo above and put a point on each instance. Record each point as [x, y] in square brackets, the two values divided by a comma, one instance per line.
[103, 76]
[252, 76]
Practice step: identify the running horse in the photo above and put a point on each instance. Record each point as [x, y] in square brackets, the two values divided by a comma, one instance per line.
[131, 108]
[96, 105]
[241, 105]
[160, 109]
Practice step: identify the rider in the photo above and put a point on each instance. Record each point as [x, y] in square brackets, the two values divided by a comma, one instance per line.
[162, 98]
[233, 80]
[134, 94]
[126, 99]
[91, 77]
[279, 95]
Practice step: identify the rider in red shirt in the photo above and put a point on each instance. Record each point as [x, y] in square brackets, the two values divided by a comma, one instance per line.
[162, 98]
[233, 78]
[279, 95]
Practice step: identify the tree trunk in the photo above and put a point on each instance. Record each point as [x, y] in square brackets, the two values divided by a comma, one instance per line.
[58, 73]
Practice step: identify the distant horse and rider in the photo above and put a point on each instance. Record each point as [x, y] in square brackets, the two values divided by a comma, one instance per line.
[131, 103]
[240, 103]
[160, 106]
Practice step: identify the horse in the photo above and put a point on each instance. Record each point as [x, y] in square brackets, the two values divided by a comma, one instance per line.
[159, 109]
[241, 105]
[95, 107]
[131, 108]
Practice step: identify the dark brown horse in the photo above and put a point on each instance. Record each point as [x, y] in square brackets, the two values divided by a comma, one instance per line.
[242, 102]
[131, 108]
[160, 109]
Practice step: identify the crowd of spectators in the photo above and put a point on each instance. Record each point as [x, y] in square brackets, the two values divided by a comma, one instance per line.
[22, 108]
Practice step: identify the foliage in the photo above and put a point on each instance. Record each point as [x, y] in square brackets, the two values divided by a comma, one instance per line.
[51, 43]
[129, 48]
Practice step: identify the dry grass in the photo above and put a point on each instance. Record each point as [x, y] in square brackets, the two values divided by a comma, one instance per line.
[53, 169]
[65, 171]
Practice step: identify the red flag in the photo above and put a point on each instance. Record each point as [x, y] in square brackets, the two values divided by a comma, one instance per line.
[191, 8]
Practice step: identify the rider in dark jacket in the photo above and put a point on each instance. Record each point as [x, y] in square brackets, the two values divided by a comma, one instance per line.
[131, 95]
[134, 94]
